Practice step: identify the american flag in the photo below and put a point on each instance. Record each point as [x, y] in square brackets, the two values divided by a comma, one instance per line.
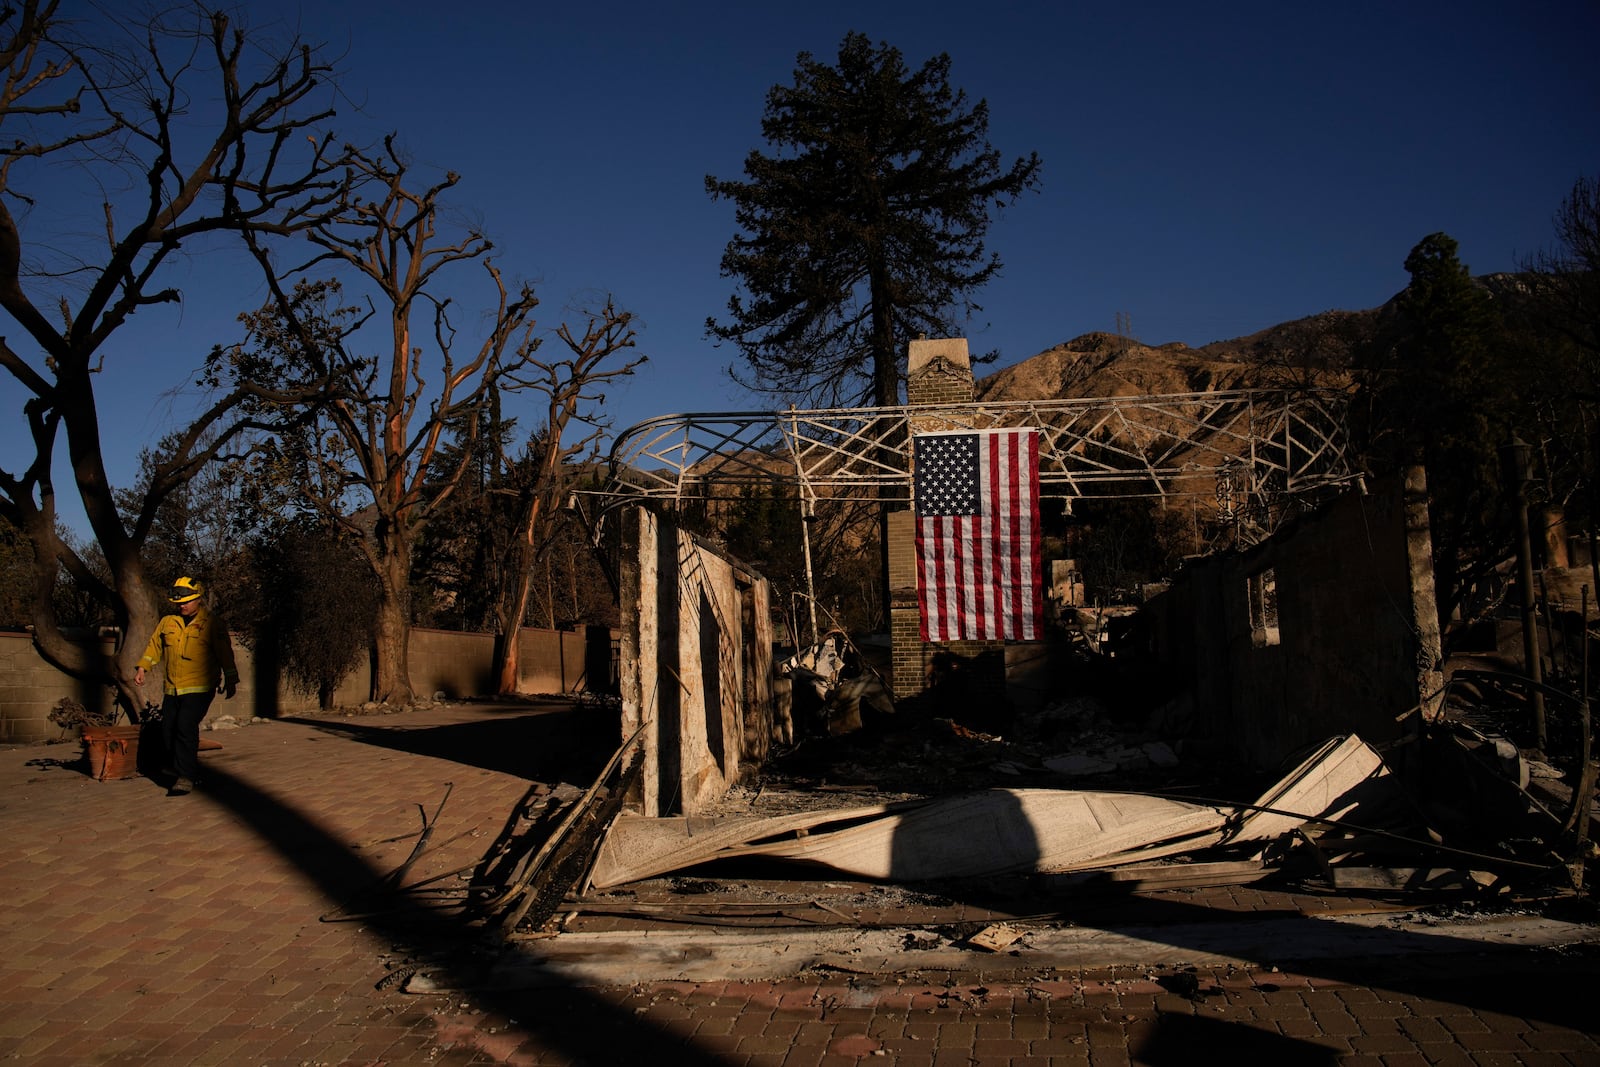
[977, 500]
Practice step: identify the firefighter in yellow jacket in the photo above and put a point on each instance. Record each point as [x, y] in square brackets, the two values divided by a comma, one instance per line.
[197, 657]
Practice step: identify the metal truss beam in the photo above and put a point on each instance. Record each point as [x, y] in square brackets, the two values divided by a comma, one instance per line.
[1246, 449]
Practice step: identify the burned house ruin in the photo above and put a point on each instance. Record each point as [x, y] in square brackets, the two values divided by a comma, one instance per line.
[698, 666]
[1310, 645]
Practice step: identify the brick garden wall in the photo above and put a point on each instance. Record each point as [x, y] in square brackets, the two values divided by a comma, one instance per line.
[30, 687]
[458, 665]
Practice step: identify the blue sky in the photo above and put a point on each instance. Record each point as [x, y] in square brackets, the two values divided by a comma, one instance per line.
[1208, 170]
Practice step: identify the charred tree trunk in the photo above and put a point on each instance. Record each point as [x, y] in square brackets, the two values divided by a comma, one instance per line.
[513, 603]
[510, 667]
[885, 354]
[391, 673]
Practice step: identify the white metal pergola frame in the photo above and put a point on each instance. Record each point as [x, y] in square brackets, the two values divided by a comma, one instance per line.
[1254, 452]
[1264, 444]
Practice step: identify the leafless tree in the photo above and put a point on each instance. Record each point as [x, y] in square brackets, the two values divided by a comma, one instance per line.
[372, 460]
[1564, 281]
[149, 137]
[571, 387]
[1559, 304]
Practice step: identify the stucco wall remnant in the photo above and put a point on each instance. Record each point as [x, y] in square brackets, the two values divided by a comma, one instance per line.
[696, 665]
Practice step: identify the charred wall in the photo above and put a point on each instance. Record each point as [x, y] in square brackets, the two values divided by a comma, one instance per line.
[696, 665]
[1328, 627]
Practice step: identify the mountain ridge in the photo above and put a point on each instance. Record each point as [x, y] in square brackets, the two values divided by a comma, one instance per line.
[1316, 350]
[1098, 364]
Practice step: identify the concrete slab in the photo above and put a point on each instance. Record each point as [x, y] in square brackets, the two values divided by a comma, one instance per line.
[709, 955]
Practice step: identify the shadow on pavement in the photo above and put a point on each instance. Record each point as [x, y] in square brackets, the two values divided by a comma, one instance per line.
[574, 1021]
[558, 743]
[1183, 1040]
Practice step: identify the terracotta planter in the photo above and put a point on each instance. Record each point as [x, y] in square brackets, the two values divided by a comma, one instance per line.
[113, 751]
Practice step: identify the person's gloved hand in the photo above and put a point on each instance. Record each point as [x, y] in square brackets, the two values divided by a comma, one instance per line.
[229, 689]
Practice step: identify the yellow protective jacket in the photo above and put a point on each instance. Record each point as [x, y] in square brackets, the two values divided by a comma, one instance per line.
[193, 652]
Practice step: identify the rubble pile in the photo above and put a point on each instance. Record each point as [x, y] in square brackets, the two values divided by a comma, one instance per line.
[1072, 741]
[1067, 802]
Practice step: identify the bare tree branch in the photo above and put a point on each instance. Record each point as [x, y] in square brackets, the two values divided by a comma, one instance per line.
[382, 440]
[95, 108]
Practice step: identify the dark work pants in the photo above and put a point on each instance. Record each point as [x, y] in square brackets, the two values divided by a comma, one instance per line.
[180, 730]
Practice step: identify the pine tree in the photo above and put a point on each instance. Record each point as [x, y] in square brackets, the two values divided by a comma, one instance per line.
[1448, 387]
[865, 227]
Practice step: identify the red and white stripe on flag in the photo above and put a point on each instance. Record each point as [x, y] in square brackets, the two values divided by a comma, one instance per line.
[976, 496]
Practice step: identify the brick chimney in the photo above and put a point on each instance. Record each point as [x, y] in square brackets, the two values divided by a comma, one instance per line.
[939, 372]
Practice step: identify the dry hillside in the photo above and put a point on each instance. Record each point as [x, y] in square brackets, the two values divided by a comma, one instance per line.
[1316, 350]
